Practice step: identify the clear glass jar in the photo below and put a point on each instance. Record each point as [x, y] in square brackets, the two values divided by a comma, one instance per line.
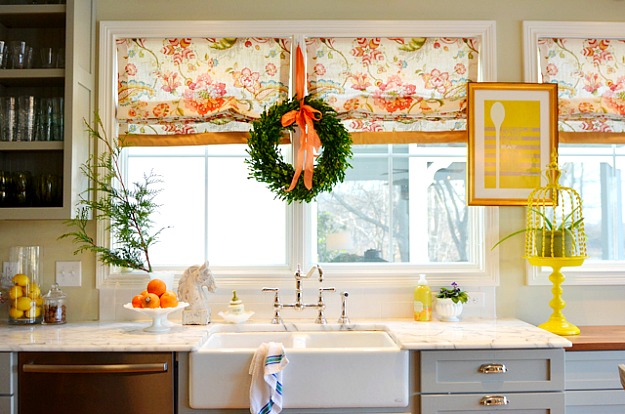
[25, 300]
[54, 309]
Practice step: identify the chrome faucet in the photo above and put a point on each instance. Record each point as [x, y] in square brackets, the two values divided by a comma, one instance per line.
[299, 296]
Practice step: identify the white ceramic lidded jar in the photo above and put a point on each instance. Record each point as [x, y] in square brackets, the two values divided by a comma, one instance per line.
[54, 309]
[25, 300]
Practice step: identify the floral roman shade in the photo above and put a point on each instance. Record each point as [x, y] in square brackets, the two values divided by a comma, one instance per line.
[388, 86]
[182, 91]
[590, 74]
[185, 91]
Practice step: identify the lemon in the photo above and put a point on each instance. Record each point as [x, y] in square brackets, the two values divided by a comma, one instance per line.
[15, 313]
[24, 303]
[33, 312]
[16, 292]
[21, 279]
[33, 291]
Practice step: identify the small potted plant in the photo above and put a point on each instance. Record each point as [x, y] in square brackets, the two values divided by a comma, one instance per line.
[449, 303]
[126, 209]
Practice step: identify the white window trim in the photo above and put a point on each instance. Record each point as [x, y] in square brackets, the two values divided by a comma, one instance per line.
[607, 273]
[483, 273]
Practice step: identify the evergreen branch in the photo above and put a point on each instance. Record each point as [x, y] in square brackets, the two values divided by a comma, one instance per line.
[127, 210]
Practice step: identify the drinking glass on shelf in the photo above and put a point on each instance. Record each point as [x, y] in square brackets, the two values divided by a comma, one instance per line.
[21, 188]
[46, 190]
[57, 119]
[8, 118]
[26, 110]
[2, 54]
[60, 58]
[44, 119]
[48, 57]
[17, 55]
[5, 184]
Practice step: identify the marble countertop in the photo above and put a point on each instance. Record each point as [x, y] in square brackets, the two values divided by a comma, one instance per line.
[131, 337]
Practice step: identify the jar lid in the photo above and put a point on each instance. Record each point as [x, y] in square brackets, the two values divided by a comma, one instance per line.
[55, 292]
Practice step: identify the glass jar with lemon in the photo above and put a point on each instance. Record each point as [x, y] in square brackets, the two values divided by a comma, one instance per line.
[25, 300]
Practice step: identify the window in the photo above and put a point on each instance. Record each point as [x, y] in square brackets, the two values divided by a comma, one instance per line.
[401, 209]
[592, 146]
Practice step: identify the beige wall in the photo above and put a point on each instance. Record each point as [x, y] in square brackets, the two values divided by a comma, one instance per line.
[585, 305]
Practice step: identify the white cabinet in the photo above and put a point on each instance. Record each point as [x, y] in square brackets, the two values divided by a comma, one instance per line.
[517, 381]
[592, 382]
[68, 28]
[8, 383]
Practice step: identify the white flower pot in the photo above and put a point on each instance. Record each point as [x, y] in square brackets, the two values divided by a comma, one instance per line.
[447, 311]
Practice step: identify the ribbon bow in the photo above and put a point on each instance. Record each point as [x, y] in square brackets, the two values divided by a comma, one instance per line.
[305, 117]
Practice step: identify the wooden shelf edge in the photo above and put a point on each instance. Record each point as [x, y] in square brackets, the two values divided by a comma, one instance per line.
[32, 146]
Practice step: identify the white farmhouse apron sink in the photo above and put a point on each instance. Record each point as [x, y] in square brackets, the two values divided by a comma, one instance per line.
[326, 369]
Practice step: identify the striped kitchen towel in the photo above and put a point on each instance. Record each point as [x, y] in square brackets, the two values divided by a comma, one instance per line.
[266, 370]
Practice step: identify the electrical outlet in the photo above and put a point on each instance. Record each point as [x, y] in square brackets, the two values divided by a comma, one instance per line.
[68, 274]
[476, 299]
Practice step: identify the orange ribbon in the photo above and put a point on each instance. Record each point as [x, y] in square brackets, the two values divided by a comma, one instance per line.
[305, 117]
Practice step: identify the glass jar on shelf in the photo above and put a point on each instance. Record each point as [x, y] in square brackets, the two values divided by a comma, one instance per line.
[54, 309]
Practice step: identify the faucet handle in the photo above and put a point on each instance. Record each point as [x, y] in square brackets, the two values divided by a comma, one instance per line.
[277, 305]
[321, 306]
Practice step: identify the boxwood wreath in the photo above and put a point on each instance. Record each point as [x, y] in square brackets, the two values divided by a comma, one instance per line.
[267, 165]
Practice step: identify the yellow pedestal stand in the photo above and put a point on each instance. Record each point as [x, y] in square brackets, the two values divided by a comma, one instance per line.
[557, 323]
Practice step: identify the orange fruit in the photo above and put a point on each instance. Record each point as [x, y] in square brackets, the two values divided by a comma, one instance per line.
[137, 300]
[150, 301]
[144, 293]
[169, 299]
[157, 286]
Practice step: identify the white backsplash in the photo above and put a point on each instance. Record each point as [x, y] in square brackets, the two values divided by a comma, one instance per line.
[363, 304]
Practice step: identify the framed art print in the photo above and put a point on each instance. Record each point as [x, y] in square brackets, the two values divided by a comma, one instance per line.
[513, 132]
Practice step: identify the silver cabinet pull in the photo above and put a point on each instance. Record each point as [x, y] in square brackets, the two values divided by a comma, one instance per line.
[494, 400]
[492, 368]
[95, 369]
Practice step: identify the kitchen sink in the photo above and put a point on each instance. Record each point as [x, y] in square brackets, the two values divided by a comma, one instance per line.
[326, 369]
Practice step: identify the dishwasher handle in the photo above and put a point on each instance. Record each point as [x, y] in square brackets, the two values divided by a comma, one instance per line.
[95, 368]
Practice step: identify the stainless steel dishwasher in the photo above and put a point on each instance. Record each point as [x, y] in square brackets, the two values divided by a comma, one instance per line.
[96, 382]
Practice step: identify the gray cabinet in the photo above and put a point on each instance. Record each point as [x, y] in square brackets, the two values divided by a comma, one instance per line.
[8, 383]
[517, 381]
[592, 382]
[69, 29]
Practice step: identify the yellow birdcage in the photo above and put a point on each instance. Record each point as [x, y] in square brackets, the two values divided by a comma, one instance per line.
[555, 237]
[555, 224]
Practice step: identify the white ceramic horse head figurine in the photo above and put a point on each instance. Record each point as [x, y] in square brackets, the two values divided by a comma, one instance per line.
[194, 286]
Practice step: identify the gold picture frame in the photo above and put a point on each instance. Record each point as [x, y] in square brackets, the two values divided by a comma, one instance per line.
[512, 133]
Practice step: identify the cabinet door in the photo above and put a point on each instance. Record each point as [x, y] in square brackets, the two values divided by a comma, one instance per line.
[521, 403]
[595, 402]
[586, 370]
[7, 405]
[79, 93]
[492, 371]
[47, 171]
[8, 379]
[7, 374]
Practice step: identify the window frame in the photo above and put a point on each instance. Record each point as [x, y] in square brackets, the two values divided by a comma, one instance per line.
[608, 272]
[484, 272]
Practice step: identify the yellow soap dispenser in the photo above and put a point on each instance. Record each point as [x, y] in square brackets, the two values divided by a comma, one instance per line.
[422, 300]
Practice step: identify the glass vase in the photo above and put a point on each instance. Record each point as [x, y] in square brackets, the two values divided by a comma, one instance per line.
[25, 300]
